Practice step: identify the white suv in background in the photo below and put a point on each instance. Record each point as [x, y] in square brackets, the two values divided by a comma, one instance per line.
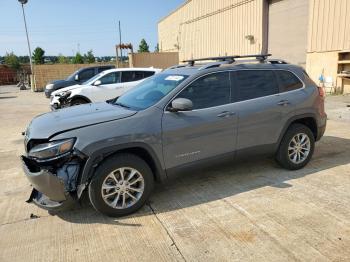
[107, 85]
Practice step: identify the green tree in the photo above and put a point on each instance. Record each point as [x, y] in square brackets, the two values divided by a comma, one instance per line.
[12, 61]
[62, 59]
[78, 59]
[143, 47]
[156, 49]
[89, 57]
[38, 56]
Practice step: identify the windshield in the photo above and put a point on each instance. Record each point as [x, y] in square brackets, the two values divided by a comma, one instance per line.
[150, 91]
[71, 77]
[93, 79]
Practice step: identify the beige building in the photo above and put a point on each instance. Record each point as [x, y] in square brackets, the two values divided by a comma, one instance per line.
[312, 33]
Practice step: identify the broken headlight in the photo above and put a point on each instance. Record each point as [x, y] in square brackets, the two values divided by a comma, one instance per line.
[64, 94]
[52, 149]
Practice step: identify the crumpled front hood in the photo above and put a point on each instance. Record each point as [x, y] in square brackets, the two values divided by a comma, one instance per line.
[68, 88]
[49, 124]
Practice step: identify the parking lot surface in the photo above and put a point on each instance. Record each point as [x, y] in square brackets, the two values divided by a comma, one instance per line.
[250, 211]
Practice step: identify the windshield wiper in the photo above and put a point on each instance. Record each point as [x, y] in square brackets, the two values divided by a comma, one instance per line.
[122, 105]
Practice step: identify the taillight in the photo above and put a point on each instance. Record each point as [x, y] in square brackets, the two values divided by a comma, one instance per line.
[321, 91]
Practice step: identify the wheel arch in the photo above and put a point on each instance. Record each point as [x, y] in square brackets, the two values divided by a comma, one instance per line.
[139, 149]
[75, 97]
[308, 120]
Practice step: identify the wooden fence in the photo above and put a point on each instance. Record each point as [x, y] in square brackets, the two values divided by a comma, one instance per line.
[157, 60]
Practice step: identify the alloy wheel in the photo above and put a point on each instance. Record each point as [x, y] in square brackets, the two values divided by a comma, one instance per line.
[122, 188]
[299, 148]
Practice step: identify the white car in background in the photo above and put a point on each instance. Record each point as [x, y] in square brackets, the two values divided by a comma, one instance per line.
[106, 85]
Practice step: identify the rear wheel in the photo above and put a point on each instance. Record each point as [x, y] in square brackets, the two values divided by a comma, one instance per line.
[121, 185]
[296, 148]
[78, 101]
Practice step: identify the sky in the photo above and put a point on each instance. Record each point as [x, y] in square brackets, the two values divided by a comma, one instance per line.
[67, 26]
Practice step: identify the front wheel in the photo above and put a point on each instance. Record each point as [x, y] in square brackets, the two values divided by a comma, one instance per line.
[296, 148]
[121, 185]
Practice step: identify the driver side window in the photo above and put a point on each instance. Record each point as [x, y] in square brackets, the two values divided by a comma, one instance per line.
[209, 91]
[111, 78]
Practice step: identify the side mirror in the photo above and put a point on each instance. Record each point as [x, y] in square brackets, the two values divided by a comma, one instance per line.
[76, 78]
[181, 104]
[97, 83]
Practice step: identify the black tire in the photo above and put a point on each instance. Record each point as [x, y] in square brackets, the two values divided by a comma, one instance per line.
[282, 156]
[111, 164]
[78, 101]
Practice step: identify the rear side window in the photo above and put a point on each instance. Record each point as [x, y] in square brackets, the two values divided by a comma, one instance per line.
[209, 91]
[128, 76]
[255, 83]
[288, 81]
[148, 73]
[138, 76]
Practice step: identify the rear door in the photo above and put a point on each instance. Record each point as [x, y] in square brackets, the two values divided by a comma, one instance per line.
[259, 115]
[131, 78]
[291, 93]
[207, 131]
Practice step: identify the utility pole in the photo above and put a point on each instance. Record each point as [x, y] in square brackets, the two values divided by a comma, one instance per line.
[23, 2]
[120, 41]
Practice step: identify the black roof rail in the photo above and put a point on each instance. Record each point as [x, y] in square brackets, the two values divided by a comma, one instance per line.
[260, 57]
[276, 61]
[214, 64]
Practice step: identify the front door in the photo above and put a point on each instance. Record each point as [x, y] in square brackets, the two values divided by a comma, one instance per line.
[207, 131]
[109, 88]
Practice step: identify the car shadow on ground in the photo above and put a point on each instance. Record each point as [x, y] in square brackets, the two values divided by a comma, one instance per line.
[221, 182]
[7, 97]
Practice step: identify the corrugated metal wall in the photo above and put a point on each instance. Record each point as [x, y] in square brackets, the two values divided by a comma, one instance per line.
[288, 39]
[329, 25]
[202, 28]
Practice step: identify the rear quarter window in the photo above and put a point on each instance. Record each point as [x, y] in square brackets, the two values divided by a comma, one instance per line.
[288, 81]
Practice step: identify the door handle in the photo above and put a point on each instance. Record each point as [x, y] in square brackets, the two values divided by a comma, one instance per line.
[283, 103]
[226, 114]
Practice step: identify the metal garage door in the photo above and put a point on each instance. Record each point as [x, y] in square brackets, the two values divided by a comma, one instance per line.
[287, 30]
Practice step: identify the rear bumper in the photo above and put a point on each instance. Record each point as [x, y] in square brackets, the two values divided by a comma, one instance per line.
[322, 123]
[320, 132]
[52, 191]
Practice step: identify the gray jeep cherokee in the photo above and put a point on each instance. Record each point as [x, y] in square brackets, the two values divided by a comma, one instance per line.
[193, 115]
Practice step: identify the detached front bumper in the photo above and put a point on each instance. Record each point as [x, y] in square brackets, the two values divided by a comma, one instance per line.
[58, 102]
[52, 190]
[55, 103]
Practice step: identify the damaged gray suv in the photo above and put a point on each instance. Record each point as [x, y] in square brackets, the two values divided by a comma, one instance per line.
[193, 115]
